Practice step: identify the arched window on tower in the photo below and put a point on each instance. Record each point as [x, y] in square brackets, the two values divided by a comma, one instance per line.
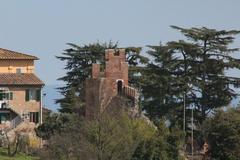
[119, 86]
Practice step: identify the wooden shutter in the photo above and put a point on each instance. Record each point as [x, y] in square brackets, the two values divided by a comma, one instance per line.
[6, 95]
[34, 117]
[11, 95]
[38, 95]
[27, 95]
[37, 117]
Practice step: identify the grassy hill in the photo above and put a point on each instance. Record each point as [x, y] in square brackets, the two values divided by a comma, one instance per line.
[19, 156]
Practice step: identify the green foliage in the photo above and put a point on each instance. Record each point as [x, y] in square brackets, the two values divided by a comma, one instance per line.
[162, 82]
[69, 102]
[222, 132]
[163, 145]
[208, 57]
[194, 67]
[18, 156]
[104, 138]
[52, 125]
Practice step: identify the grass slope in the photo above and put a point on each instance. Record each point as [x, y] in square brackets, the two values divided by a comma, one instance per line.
[19, 156]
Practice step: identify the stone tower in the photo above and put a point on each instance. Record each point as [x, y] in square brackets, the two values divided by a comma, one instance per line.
[116, 69]
[104, 85]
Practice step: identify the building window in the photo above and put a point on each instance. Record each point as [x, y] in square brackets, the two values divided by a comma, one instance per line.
[33, 94]
[18, 70]
[34, 117]
[4, 117]
[6, 95]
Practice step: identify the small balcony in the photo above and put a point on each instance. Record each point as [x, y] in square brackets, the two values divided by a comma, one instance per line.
[4, 104]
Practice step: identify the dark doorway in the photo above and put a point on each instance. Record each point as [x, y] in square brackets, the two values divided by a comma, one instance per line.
[4, 117]
[119, 86]
[34, 117]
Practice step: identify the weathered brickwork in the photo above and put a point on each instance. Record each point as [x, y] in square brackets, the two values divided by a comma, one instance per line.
[95, 70]
[103, 86]
[116, 68]
[98, 95]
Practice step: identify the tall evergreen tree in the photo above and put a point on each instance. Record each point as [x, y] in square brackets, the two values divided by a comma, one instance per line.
[195, 67]
[212, 88]
[161, 81]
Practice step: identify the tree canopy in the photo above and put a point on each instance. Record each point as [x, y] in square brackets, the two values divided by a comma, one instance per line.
[195, 67]
[222, 132]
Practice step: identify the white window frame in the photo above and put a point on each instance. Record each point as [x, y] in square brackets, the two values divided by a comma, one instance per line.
[19, 70]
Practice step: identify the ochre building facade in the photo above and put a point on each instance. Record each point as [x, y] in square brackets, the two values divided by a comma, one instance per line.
[20, 89]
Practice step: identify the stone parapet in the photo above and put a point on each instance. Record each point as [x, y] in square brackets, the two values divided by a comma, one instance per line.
[95, 70]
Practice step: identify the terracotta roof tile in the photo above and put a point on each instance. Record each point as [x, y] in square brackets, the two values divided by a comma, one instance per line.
[19, 79]
[7, 54]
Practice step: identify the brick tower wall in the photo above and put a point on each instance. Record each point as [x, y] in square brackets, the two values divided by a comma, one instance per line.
[95, 70]
[98, 95]
[100, 89]
[116, 68]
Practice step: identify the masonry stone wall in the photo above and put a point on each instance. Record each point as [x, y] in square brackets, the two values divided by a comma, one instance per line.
[116, 66]
[98, 95]
[95, 70]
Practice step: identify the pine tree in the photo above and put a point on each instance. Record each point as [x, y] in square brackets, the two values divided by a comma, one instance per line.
[195, 67]
[212, 88]
[161, 80]
[69, 102]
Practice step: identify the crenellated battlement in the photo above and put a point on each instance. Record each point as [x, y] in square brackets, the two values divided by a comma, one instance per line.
[115, 53]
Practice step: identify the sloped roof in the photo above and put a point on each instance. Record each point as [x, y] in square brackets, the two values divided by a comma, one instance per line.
[19, 79]
[7, 54]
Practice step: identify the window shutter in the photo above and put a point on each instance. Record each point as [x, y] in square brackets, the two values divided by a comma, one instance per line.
[38, 94]
[11, 96]
[6, 95]
[37, 117]
[27, 95]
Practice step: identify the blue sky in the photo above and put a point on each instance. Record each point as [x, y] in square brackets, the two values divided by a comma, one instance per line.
[43, 27]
